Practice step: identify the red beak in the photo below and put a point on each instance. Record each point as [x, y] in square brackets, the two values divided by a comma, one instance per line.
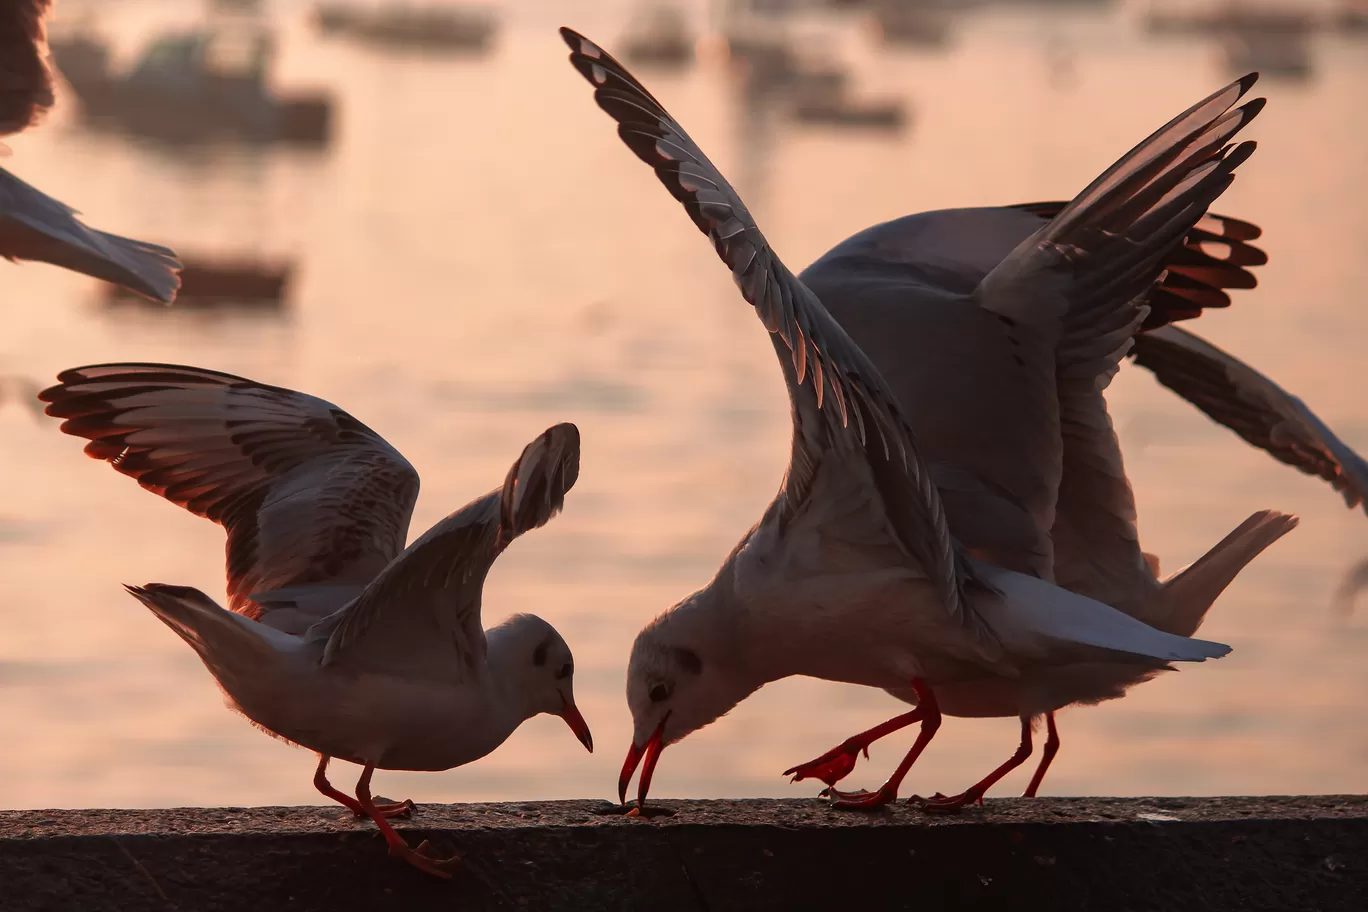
[571, 714]
[634, 755]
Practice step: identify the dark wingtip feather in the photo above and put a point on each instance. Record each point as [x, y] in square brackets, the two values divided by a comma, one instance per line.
[1237, 229]
[571, 37]
[1239, 156]
[522, 510]
[1246, 82]
[1252, 108]
[51, 394]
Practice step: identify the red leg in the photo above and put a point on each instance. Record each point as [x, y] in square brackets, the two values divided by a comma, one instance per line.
[420, 857]
[397, 809]
[976, 791]
[930, 721]
[1051, 748]
[837, 763]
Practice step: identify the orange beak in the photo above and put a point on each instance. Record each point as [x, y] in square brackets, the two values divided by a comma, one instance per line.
[651, 752]
[571, 714]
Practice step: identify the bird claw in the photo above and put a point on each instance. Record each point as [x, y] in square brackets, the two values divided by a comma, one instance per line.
[861, 800]
[389, 809]
[941, 804]
[939, 796]
[831, 767]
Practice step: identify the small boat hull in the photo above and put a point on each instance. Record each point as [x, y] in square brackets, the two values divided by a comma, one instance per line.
[208, 283]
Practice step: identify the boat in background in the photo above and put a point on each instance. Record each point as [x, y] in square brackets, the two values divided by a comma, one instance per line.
[192, 86]
[660, 37]
[828, 108]
[458, 29]
[897, 23]
[221, 282]
[1278, 55]
[1245, 18]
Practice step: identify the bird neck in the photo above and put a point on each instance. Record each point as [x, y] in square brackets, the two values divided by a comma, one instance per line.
[718, 628]
[509, 697]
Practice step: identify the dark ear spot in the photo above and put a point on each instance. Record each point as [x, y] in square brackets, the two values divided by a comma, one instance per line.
[688, 660]
[539, 654]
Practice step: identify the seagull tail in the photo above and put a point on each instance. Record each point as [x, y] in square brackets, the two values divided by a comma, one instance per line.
[227, 643]
[1032, 614]
[1188, 594]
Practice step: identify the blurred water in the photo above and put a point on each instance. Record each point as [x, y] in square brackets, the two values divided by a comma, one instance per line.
[480, 258]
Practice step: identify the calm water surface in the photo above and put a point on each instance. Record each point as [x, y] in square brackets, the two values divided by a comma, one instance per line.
[480, 258]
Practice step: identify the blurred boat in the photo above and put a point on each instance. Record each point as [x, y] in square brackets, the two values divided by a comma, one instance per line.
[1280, 55]
[1352, 16]
[770, 63]
[191, 86]
[223, 282]
[658, 37]
[1231, 17]
[911, 24]
[837, 109]
[428, 28]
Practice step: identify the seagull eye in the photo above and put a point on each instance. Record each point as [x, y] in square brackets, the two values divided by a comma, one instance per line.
[660, 693]
[565, 671]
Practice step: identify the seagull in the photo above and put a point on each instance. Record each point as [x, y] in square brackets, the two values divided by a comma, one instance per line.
[868, 281]
[337, 638]
[33, 225]
[856, 571]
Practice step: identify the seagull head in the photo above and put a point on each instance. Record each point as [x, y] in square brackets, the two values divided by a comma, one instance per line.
[541, 671]
[682, 676]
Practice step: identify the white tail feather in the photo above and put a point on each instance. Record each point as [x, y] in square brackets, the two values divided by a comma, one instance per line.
[227, 643]
[1189, 593]
[1034, 613]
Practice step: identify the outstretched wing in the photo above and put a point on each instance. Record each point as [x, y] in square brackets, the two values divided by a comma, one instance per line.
[839, 400]
[1097, 542]
[1098, 268]
[427, 600]
[1112, 241]
[34, 226]
[313, 501]
[1234, 394]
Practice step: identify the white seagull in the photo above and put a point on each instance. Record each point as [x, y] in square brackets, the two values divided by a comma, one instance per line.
[338, 639]
[855, 573]
[870, 284]
[33, 225]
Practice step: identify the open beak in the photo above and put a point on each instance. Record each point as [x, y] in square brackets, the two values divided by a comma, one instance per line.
[571, 714]
[651, 751]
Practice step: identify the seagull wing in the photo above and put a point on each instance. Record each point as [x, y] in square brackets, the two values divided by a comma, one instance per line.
[841, 406]
[1234, 394]
[34, 226]
[428, 599]
[315, 503]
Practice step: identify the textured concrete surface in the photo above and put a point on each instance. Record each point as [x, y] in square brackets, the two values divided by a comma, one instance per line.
[1096, 854]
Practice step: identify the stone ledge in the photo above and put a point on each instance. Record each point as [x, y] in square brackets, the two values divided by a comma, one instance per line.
[1086, 853]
